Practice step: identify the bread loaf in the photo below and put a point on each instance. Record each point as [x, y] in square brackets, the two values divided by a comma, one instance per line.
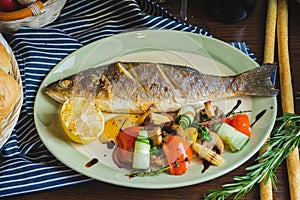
[9, 93]
[5, 58]
[9, 88]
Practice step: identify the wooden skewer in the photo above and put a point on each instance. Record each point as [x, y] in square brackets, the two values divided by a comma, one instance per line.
[266, 192]
[293, 166]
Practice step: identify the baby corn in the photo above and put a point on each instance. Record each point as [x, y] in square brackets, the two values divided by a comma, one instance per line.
[207, 154]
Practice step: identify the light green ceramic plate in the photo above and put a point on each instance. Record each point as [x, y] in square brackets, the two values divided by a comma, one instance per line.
[206, 54]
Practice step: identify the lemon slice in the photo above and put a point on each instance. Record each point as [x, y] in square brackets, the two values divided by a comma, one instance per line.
[81, 120]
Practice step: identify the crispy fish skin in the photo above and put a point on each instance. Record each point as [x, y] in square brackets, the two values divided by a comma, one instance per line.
[134, 87]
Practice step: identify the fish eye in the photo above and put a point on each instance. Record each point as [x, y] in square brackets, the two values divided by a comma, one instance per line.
[66, 83]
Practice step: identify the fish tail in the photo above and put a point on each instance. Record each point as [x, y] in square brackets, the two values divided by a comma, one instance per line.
[257, 82]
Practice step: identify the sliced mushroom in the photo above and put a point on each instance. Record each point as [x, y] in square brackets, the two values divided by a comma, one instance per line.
[216, 143]
[218, 111]
[209, 110]
[160, 118]
[209, 114]
[155, 136]
[173, 129]
[151, 117]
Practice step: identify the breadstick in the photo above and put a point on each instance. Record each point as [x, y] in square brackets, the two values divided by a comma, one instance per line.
[270, 35]
[293, 166]
[266, 192]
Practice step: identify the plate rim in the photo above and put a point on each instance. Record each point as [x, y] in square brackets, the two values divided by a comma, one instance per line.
[107, 179]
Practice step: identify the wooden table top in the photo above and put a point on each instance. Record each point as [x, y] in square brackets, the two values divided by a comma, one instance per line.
[251, 31]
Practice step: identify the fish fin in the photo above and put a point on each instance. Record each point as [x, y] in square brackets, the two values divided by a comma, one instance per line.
[257, 81]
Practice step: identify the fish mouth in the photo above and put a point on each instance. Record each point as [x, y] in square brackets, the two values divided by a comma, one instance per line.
[55, 95]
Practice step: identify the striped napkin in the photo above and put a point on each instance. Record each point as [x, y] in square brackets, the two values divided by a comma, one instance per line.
[25, 163]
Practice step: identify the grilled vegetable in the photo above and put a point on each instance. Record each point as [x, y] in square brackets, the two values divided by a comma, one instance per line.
[207, 154]
[173, 128]
[127, 137]
[114, 125]
[209, 110]
[151, 117]
[240, 122]
[123, 152]
[155, 136]
[141, 155]
[190, 134]
[179, 154]
[186, 116]
[231, 136]
[214, 144]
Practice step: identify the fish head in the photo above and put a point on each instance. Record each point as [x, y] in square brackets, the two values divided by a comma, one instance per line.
[61, 90]
[86, 84]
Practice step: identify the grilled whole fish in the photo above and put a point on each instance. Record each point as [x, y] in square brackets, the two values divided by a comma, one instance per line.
[134, 87]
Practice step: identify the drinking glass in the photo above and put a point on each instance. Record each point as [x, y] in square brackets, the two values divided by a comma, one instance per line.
[230, 11]
[183, 10]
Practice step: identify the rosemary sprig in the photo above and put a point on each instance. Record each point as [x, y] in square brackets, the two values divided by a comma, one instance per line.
[149, 172]
[155, 172]
[284, 138]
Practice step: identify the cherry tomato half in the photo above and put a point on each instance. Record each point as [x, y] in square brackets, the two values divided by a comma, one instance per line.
[123, 153]
[126, 138]
[179, 154]
[240, 122]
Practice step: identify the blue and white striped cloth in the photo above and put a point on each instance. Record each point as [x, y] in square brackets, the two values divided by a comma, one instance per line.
[25, 163]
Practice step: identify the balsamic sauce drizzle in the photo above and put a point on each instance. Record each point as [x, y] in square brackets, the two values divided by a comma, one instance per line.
[238, 103]
[258, 116]
[91, 162]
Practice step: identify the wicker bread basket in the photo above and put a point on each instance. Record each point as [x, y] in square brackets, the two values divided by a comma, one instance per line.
[39, 16]
[10, 121]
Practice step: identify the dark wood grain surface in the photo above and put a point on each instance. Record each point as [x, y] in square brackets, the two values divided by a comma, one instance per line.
[251, 31]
